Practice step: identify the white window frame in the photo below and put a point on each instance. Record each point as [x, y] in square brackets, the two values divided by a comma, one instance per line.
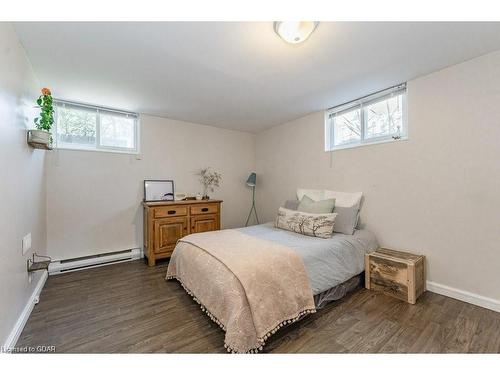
[97, 146]
[360, 104]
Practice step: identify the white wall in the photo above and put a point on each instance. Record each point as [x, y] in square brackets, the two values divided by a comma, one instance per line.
[436, 194]
[22, 182]
[94, 198]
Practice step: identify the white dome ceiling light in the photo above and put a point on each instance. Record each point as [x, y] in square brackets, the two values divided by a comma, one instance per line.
[295, 32]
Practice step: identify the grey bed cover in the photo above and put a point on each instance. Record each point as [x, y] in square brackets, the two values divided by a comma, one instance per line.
[328, 262]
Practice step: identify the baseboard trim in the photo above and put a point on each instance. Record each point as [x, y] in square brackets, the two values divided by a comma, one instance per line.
[25, 314]
[462, 295]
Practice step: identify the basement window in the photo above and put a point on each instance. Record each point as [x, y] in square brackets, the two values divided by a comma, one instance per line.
[376, 118]
[92, 128]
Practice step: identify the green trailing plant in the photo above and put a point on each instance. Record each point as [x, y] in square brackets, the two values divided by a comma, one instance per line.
[46, 118]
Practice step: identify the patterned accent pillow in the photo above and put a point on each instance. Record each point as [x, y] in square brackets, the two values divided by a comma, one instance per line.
[315, 225]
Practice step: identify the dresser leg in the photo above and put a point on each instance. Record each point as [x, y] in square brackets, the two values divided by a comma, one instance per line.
[151, 262]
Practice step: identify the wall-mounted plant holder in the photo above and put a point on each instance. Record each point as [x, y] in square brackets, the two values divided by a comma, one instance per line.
[40, 139]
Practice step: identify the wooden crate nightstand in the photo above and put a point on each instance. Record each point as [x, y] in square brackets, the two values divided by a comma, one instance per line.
[395, 273]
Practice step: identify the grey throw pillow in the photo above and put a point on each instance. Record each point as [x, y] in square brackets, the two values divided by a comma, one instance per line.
[291, 205]
[346, 220]
[316, 207]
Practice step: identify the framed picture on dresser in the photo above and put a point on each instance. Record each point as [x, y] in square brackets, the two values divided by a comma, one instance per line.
[158, 190]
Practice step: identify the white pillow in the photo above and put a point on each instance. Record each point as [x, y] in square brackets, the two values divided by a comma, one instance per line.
[314, 194]
[343, 199]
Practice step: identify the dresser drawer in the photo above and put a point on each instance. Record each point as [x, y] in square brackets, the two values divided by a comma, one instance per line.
[200, 209]
[170, 211]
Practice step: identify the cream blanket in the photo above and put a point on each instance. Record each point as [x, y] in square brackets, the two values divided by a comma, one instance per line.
[249, 286]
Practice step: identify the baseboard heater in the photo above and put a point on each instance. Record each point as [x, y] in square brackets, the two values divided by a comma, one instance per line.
[91, 261]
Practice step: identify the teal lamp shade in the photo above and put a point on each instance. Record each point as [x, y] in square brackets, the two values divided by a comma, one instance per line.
[252, 179]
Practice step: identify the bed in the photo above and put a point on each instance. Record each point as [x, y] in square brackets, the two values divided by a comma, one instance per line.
[253, 281]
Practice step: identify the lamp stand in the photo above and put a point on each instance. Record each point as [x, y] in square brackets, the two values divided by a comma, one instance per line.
[252, 208]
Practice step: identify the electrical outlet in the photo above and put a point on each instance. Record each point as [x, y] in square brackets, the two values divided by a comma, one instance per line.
[26, 243]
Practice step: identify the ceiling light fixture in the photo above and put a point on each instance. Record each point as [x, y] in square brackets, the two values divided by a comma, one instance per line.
[295, 32]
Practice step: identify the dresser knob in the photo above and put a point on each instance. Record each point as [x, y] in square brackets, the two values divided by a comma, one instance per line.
[204, 209]
[171, 212]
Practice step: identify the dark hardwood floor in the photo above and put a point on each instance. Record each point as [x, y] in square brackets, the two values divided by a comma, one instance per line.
[130, 308]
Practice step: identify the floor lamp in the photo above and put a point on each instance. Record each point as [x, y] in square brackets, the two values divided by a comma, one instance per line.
[251, 181]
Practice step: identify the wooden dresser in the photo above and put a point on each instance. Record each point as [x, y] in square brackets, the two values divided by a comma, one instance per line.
[166, 222]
